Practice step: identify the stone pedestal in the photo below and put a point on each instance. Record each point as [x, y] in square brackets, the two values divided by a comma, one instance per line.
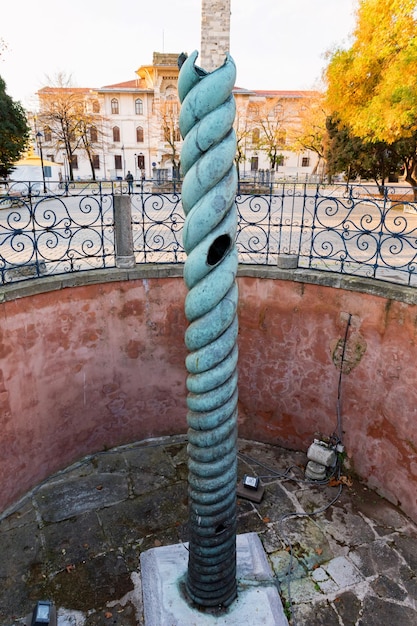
[123, 236]
[163, 576]
[287, 261]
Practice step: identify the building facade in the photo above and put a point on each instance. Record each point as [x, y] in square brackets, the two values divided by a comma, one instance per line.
[133, 126]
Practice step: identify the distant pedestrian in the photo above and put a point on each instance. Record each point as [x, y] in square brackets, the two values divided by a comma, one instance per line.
[129, 178]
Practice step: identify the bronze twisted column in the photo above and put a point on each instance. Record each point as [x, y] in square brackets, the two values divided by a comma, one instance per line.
[208, 198]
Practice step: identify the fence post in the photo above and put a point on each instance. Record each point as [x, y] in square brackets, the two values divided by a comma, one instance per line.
[123, 236]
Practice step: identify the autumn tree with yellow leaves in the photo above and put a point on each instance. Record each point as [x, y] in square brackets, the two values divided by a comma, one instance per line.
[372, 86]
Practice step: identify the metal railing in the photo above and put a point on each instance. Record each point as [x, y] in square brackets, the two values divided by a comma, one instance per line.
[348, 229]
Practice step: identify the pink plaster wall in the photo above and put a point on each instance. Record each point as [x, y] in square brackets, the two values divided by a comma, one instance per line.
[102, 365]
[289, 383]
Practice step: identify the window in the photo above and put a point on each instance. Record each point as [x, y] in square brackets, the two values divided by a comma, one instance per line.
[47, 134]
[116, 133]
[255, 135]
[254, 164]
[278, 110]
[253, 110]
[96, 161]
[50, 157]
[172, 107]
[281, 137]
[96, 106]
[138, 106]
[141, 162]
[74, 162]
[305, 162]
[47, 171]
[139, 134]
[93, 134]
[114, 106]
[118, 161]
[177, 134]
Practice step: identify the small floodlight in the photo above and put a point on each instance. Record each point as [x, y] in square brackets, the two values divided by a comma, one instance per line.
[44, 614]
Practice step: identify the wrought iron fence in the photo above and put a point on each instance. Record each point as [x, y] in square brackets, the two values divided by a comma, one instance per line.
[350, 229]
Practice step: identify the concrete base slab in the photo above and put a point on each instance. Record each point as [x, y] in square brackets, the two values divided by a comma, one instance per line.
[164, 570]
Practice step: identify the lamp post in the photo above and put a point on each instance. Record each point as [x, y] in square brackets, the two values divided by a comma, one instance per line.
[124, 162]
[39, 140]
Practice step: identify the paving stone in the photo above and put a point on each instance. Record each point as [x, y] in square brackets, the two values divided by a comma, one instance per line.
[317, 614]
[250, 522]
[275, 503]
[115, 616]
[328, 586]
[378, 612]
[348, 606]
[385, 516]
[22, 515]
[110, 462]
[319, 575]
[152, 459]
[66, 499]
[145, 515]
[19, 548]
[313, 497]
[406, 546]
[72, 541]
[347, 527]
[409, 579]
[283, 566]
[375, 557]
[91, 585]
[387, 588]
[301, 590]
[343, 572]
[309, 543]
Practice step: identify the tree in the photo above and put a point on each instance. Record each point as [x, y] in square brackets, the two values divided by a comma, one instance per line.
[268, 121]
[356, 157]
[243, 130]
[312, 133]
[168, 118]
[65, 116]
[14, 131]
[371, 87]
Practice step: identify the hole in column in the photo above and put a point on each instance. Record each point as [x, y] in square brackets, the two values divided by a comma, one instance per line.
[218, 249]
[220, 529]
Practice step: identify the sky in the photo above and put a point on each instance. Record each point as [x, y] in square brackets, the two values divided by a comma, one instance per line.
[275, 44]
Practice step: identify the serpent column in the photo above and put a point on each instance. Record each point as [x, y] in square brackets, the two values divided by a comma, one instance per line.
[208, 198]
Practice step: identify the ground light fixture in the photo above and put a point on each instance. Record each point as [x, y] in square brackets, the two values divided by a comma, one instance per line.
[44, 614]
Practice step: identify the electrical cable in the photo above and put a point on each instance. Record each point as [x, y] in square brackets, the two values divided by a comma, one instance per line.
[335, 440]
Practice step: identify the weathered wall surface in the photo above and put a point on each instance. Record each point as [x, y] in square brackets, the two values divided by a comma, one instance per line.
[101, 365]
[87, 368]
[290, 348]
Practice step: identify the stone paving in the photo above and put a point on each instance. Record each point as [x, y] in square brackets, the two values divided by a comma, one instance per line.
[341, 554]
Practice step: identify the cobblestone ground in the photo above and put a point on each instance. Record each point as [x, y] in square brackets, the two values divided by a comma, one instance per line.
[341, 554]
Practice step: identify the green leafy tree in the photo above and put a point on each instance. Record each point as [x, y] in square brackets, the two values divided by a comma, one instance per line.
[357, 157]
[14, 131]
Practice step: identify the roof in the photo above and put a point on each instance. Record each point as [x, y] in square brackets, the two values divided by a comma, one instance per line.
[33, 159]
[271, 93]
[80, 90]
[127, 84]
